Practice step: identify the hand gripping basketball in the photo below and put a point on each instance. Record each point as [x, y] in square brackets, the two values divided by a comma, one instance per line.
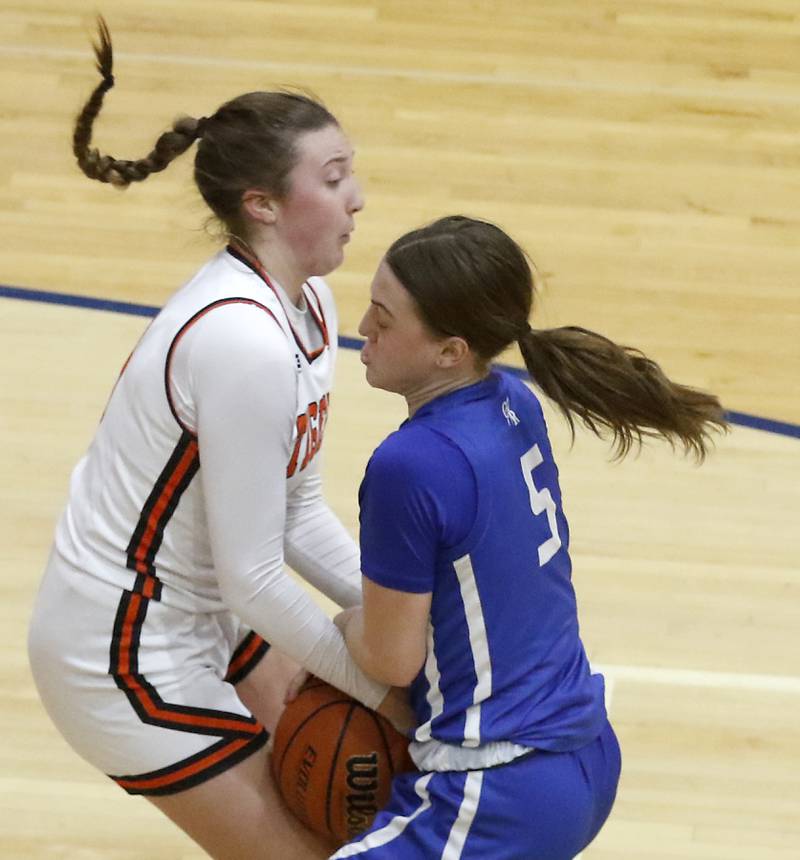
[333, 760]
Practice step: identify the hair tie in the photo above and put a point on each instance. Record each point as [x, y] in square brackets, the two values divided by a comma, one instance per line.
[524, 331]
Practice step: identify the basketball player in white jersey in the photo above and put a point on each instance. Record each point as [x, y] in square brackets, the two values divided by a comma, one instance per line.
[166, 579]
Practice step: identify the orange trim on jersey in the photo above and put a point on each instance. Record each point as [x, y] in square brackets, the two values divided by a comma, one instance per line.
[234, 300]
[196, 767]
[319, 317]
[177, 718]
[123, 666]
[246, 657]
[143, 696]
[186, 461]
[193, 770]
[132, 610]
[156, 513]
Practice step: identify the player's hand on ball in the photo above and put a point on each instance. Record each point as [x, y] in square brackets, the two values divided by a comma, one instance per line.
[333, 760]
[295, 684]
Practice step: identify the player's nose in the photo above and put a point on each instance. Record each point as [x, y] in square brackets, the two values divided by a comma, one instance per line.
[364, 327]
[356, 198]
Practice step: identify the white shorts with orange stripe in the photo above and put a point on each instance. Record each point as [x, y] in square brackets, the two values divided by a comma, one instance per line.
[141, 690]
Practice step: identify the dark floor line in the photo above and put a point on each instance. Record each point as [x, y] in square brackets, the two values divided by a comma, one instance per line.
[743, 419]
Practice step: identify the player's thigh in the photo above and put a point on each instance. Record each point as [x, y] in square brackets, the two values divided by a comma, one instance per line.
[136, 686]
[451, 814]
[238, 815]
[547, 806]
[469, 814]
[415, 823]
[543, 806]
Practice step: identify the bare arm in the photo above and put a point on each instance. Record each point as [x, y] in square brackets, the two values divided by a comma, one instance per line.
[387, 637]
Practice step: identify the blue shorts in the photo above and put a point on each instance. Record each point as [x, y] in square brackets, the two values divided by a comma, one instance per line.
[543, 806]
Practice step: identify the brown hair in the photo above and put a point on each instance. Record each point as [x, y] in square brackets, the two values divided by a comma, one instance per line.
[471, 280]
[249, 142]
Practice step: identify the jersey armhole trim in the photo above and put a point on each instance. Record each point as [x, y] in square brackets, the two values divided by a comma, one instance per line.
[179, 336]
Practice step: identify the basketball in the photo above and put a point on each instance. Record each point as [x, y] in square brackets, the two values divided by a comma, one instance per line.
[333, 760]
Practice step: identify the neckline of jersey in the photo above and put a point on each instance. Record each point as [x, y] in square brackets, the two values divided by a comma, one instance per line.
[317, 314]
[474, 391]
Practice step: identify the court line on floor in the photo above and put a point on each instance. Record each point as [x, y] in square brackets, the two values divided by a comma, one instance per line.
[757, 422]
[427, 75]
[699, 678]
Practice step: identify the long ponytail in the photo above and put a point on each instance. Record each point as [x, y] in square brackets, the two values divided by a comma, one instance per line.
[618, 391]
[470, 279]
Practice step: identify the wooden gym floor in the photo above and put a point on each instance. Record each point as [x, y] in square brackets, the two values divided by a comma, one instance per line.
[646, 153]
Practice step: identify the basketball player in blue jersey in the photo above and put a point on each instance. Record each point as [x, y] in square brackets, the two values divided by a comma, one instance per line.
[465, 551]
[166, 581]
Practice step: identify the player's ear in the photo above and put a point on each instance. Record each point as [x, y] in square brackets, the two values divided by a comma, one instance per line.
[259, 206]
[453, 352]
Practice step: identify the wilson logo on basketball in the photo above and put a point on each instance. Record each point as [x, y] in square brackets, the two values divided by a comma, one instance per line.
[303, 778]
[334, 758]
[362, 780]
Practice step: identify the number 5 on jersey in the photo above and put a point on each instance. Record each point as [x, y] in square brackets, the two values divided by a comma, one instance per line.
[541, 502]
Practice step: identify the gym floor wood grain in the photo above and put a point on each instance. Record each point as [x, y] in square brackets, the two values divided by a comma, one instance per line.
[645, 153]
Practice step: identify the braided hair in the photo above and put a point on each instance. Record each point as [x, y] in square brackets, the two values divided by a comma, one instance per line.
[248, 142]
[106, 168]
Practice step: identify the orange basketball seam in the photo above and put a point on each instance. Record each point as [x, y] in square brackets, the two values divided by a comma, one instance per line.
[332, 770]
[290, 740]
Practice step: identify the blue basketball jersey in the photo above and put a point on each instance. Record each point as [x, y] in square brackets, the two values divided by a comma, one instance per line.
[463, 501]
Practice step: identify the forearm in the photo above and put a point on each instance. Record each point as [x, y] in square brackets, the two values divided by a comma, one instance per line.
[322, 551]
[381, 659]
[352, 626]
[289, 618]
[244, 431]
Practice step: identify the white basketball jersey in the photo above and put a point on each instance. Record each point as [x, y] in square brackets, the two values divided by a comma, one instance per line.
[136, 515]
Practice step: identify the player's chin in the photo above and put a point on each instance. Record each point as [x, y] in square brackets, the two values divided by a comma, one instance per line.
[330, 262]
[372, 375]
